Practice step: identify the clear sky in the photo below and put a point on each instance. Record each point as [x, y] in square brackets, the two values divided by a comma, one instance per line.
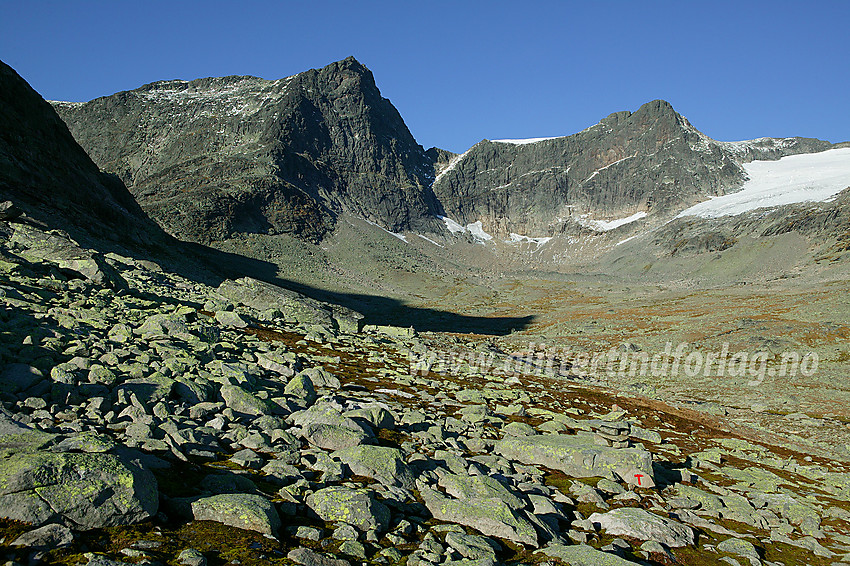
[462, 71]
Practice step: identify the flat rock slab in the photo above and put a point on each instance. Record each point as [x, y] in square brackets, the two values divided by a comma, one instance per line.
[578, 456]
[333, 437]
[48, 536]
[643, 525]
[262, 296]
[489, 516]
[240, 510]
[583, 555]
[243, 401]
[478, 487]
[307, 557]
[379, 462]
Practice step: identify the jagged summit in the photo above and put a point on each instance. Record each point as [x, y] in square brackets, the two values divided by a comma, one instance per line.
[215, 157]
[630, 164]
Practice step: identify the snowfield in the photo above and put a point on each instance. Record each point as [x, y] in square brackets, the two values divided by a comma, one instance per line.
[476, 229]
[606, 225]
[807, 177]
[525, 141]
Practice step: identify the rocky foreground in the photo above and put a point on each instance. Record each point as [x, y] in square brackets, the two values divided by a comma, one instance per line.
[151, 419]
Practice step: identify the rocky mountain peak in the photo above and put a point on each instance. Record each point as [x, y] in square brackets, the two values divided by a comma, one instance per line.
[216, 157]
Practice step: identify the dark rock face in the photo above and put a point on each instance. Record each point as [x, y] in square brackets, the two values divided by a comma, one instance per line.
[211, 158]
[214, 158]
[651, 160]
[47, 174]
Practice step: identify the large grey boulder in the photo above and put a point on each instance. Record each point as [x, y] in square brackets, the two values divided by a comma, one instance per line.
[163, 325]
[19, 377]
[327, 413]
[148, 390]
[263, 296]
[379, 462]
[583, 555]
[308, 557]
[79, 490]
[245, 402]
[578, 456]
[356, 507]
[473, 547]
[638, 523]
[59, 249]
[240, 510]
[301, 387]
[48, 536]
[489, 516]
[333, 437]
[466, 487]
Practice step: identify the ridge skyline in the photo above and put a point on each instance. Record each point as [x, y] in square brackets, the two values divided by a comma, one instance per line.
[517, 141]
[520, 72]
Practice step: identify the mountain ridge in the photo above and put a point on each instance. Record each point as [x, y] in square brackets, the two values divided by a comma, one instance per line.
[299, 151]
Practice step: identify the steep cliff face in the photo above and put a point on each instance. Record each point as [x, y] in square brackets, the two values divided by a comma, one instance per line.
[47, 174]
[212, 158]
[649, 161]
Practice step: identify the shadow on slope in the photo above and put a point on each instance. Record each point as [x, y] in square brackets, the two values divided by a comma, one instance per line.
[219, 265]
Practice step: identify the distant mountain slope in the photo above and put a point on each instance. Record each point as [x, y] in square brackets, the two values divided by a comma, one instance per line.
[46, 173]
[212, 158]
[649, 161]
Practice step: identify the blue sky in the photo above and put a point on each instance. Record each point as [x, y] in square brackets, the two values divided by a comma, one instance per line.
[462, 71]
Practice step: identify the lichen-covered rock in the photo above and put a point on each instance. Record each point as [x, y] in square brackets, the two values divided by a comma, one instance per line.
[295, 307]
[301, 387]
[357, 507]
[60, 250]
[230, 319]
[240, 510]
[333, 437]
[489, 516]
[308, 557]
[374, 415]
[641, 524]
[473, 547]
[379, 462]
[579, 456]
[148, 390]
[327, 413]
[740, 547]
[80, 490]
[468, 487]
[583, 555]
[245, 402]
[163, 325]
[48, 536]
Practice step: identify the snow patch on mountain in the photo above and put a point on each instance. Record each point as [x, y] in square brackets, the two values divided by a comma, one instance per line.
[525, 141]
[607, 225]
[806, 177]
[452, 164]
[401, 237]
[519, 238]
[476, 229]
